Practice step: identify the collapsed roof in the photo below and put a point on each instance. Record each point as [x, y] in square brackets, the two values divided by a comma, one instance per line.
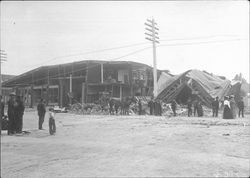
[193, 84]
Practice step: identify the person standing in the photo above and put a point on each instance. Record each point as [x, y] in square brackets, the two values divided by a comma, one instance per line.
[155, 107]
[140, 107]
[173, 107]
[227, 114]
[189, 106]
[52, 124]
[195, 106]
[11, 114]
[241, 107]
[213, 107]
[151, 106]
[160, 107]
[233, 106]
[199, 109]
[111, 106]
[19, 110]
[2, 107]
[41, 113]
[216, 106]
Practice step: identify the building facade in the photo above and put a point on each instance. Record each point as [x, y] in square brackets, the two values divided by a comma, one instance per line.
[83, 82]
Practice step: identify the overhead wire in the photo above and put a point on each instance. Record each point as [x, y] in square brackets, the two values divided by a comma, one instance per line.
[83, 68]
[137, 51]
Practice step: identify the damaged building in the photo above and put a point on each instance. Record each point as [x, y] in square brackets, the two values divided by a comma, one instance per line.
[83, 82]
[196, 84]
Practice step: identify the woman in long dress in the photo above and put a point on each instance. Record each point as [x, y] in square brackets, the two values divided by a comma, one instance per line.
[227, 113]
[232, 106]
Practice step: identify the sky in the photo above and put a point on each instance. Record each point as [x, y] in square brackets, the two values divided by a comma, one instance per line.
[204, 35]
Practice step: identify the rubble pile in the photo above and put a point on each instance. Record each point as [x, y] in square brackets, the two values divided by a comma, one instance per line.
[89, 108]
[98, 109]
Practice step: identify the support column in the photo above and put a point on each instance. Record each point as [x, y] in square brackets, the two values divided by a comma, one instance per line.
[120, 92]
[31, 96]
[86, 84]
[61, 92]
[47, 90]
[101, 72]
[70, 89]
[131, 80]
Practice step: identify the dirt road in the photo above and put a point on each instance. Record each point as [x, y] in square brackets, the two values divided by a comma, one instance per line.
[125, 146]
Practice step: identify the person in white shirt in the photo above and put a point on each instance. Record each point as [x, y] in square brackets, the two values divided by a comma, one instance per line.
[52, 124]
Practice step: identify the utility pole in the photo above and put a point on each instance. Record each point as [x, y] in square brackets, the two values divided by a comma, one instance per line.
[151, 35]
[3, 57]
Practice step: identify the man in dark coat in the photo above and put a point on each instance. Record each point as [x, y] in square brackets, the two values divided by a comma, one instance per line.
[41, 109]
[241, 107]
[151, 106]
[189, 106]
[2, 107]
[11, 114]
[173, 107]
[111, 106]
[195, 106]
[156, 108]
[140, 107]
[199, 109]
[159, 107]
[19, 110]
[215, 106]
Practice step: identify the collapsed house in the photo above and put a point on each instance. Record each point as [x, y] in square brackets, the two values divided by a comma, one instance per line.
[196, 84]
[83, 82]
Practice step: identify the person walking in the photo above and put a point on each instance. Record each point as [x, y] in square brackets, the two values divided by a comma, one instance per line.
[52, 124]
[41, 113]
[241, 107]
[11, 114]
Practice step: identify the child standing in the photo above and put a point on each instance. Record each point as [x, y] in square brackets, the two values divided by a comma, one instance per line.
[52, 124]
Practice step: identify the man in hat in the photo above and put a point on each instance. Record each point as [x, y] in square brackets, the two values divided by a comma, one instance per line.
[11, 114]
[41, 113]
[19, 110]
[140, 107]
[241, 107]
[151, 106]
[215, 106]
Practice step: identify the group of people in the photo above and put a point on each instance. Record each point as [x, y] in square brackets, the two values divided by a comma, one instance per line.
[155, 107]
[15, 114]
[194, 107]
[229, 111]
[41, 110]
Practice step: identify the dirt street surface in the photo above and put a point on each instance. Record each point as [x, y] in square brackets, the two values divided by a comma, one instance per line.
[128, 146]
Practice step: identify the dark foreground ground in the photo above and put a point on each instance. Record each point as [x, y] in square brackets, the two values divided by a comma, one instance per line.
[126, 146]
